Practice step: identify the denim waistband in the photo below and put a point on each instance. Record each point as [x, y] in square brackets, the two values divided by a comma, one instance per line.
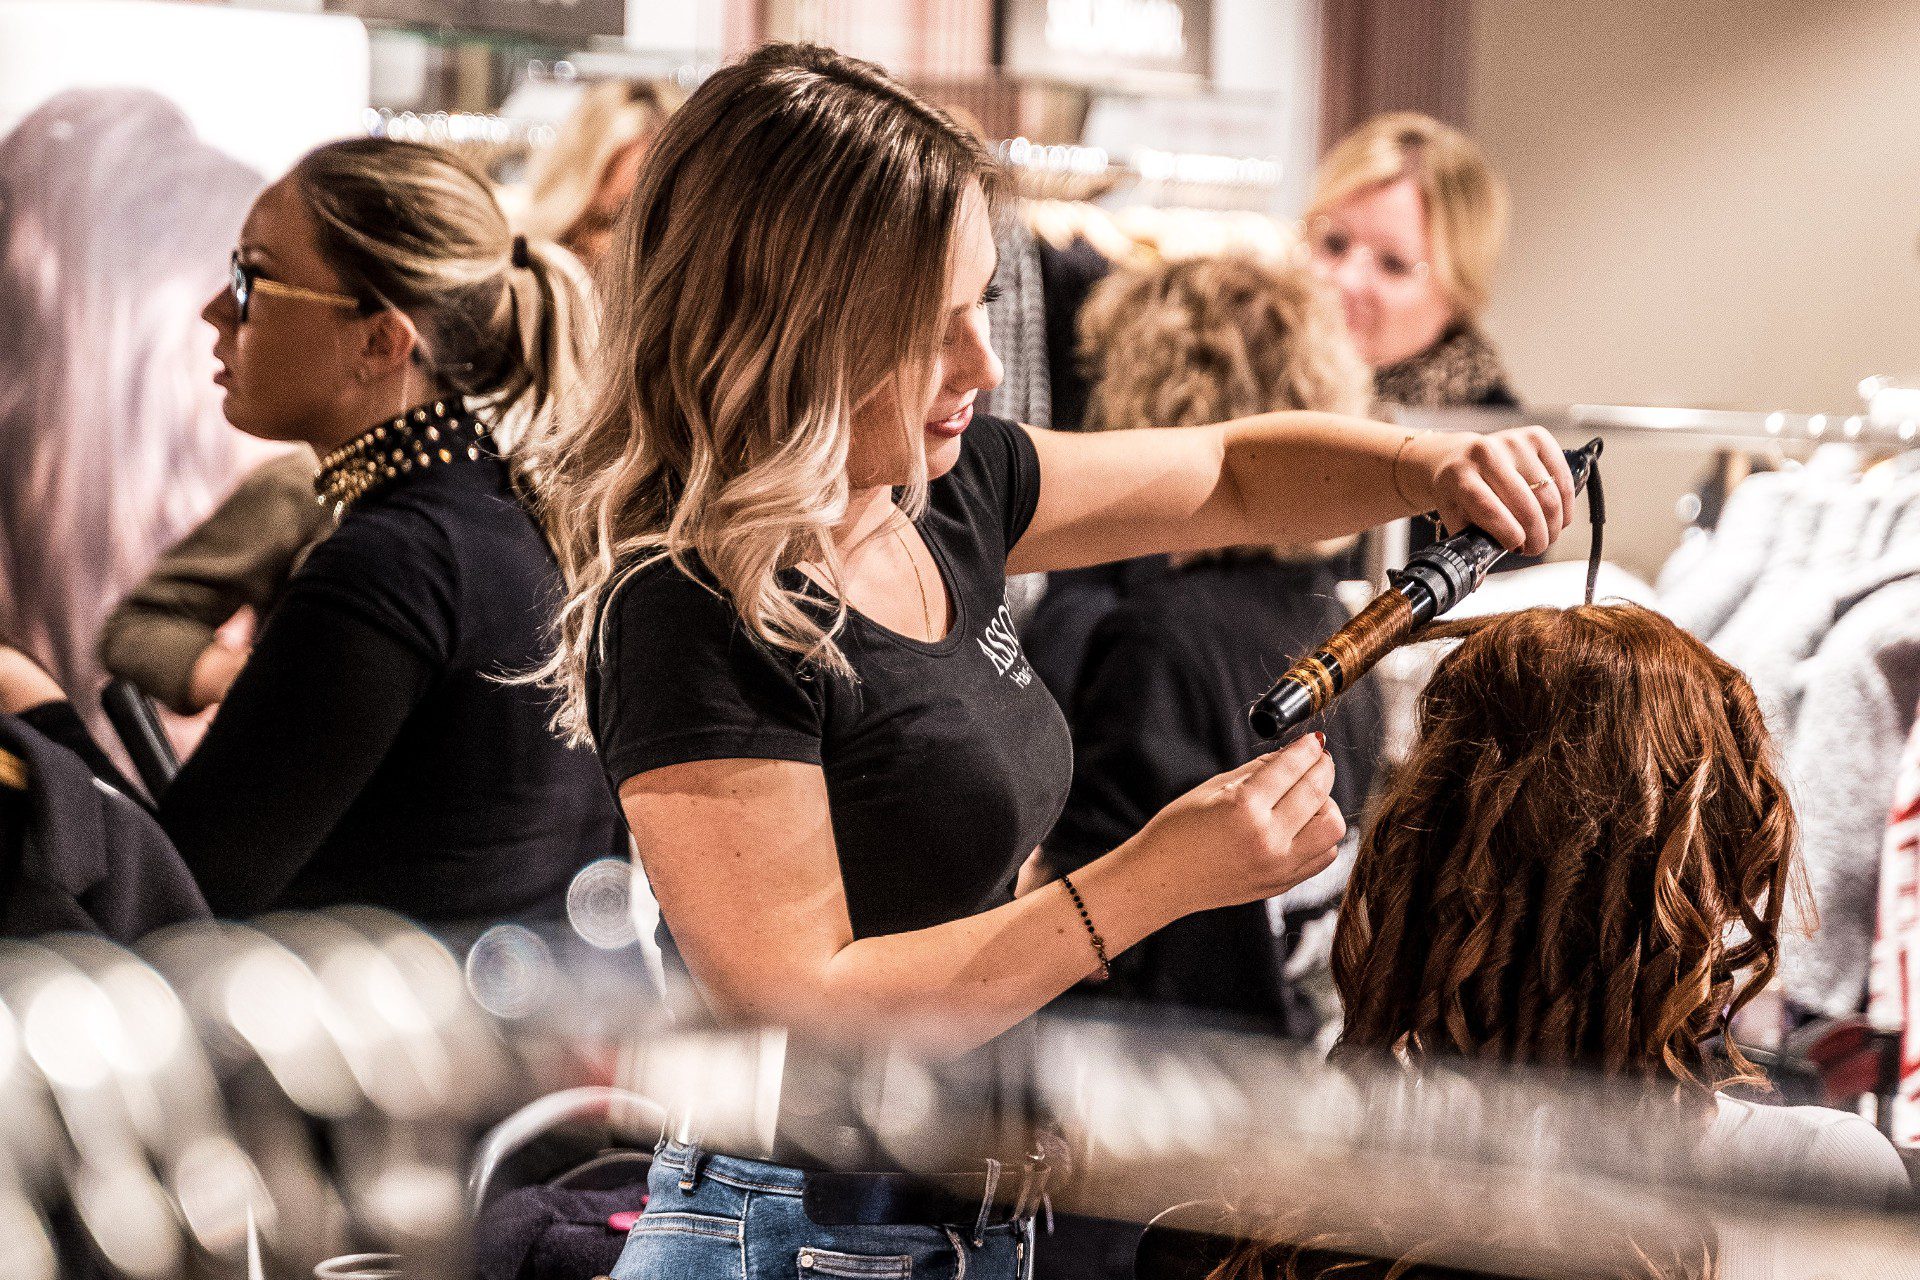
[755, 1175]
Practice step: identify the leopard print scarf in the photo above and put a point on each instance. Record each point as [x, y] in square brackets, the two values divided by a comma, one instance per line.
[1460, 369]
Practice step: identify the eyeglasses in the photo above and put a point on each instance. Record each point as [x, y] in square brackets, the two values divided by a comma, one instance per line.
[1335, 244]
[244, 280]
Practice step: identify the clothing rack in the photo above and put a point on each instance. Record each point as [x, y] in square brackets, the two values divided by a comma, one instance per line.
[1728, 431]
[457, 128]
[1162, 172]
[1722, 428]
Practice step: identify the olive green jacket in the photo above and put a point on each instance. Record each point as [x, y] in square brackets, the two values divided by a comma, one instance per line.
[242, 554]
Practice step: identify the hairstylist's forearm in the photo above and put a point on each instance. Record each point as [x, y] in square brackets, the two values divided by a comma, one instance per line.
[1244, 835]
[1281, 478]
[741, 857]
[1306, 476]
[957, 985]
[1301, 477]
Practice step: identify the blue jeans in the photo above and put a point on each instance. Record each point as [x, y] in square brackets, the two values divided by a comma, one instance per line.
[714, 1217]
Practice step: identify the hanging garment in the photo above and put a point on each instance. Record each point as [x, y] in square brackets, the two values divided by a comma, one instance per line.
[1856, 708]
[79, 855]
[1705, 581]
[1790, 611]
[1892, 532]
[1792, 605]
[1068, 275]
[1784, 567]
[1893, 976]
[1017, 319]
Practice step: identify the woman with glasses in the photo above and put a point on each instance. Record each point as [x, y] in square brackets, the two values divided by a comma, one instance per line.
[1406, 221]
[381, 311]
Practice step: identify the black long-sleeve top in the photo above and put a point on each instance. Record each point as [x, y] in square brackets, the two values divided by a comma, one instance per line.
[1159, 706]
[370, 751]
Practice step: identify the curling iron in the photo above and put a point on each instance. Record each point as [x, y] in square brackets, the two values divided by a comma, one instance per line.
[1435, 579]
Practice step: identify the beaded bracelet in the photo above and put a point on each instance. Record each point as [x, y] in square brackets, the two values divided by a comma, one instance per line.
[1099, 943]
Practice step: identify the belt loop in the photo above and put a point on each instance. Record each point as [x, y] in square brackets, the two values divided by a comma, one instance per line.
[986, 1202]
[1034, 1176]
[690, 1171]
[1026, 1189]
[959, 1252]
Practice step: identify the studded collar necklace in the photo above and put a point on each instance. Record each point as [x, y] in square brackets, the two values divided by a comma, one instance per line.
[438, 434]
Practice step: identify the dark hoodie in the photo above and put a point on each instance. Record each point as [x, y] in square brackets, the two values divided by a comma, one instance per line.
[77, 855]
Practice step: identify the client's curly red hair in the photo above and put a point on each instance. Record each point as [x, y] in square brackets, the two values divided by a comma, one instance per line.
[1554, 877]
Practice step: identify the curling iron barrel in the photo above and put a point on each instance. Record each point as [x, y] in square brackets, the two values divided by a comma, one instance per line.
[1435, 579]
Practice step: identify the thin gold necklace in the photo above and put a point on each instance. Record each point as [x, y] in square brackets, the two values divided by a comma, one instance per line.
[926, 610]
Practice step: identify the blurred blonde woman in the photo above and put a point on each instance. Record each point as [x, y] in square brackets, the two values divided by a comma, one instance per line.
[1157, 658]
[1407, 220]
[787, 536]
[580, 183]
[114, 218]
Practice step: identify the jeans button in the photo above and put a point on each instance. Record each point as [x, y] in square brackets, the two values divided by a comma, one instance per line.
[806, 1258]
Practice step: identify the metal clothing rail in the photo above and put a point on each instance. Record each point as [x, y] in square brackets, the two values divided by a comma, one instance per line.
[312, 1085]
[1719, 428]
[1725, 430]
[1146, 165]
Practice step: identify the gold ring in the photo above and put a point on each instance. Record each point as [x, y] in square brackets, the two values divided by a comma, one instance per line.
[1538, 485]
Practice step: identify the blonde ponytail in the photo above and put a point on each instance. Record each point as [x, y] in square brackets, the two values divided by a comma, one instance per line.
[554, 327]
[503, 321]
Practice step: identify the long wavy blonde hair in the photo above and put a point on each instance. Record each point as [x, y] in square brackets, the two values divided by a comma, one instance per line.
[785, 256]
[610, 118]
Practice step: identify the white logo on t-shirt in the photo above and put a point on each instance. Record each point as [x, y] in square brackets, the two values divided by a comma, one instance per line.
[1002, 647]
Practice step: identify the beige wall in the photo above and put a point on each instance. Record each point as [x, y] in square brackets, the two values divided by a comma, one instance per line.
[1716, 201]
[1716, 204]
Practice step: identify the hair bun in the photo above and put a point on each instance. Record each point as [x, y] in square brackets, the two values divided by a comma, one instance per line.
[518, 254]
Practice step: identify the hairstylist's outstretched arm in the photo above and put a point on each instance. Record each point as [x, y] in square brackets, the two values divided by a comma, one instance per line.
[1283, 477]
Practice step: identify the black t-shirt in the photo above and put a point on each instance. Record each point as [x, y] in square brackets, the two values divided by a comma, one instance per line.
[370, 751]
[946, 763]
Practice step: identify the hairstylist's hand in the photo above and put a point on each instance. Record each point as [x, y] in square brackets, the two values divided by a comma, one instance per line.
[1248, 834]
[1514, 484]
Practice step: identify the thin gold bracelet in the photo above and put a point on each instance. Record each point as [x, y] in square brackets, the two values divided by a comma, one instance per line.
[1099, 943]
[1394, 471]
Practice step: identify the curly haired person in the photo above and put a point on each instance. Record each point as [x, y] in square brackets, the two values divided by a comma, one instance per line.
[1583, 869]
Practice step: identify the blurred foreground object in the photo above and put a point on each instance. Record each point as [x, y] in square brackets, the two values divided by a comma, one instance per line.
[316, 1087]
